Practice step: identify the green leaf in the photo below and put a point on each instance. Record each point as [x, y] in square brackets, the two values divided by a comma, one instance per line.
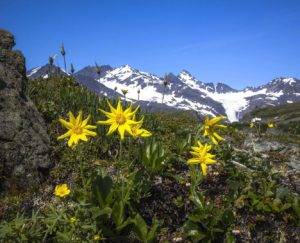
[101, 188]
[118, 213]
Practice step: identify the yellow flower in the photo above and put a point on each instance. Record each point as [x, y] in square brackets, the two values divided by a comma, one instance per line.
[210, 126]
[119, 120]
[73, 220]
[78, 129]
[97, 237]
[271, 125]
[251, 124]
[202, 156]
[62, 190]
[137, 131]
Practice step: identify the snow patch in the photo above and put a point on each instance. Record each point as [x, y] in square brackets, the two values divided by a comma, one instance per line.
[233, 102]
[33, 71]
[290, 81]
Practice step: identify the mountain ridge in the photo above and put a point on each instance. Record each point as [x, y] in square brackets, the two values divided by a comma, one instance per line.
[183, 91]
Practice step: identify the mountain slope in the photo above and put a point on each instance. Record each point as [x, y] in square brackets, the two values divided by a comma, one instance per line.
[44, 71]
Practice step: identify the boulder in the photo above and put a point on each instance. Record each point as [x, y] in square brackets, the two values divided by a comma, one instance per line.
[24, 142]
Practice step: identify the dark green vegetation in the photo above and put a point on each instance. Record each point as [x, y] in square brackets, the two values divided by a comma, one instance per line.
[287, 118]
[284, 113]
[148, 193]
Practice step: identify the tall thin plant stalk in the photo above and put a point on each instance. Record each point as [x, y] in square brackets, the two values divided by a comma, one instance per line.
[72, 69]
[138, 92]
[165, 84]
[63, 53]
[98, 69]
[51, 60]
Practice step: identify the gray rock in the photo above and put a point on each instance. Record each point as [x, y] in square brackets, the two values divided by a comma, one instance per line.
[7, 40]
[261, 145]
[24, 143]
[265, 146]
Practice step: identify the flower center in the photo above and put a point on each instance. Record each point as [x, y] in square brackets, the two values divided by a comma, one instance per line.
[77, 130]
[120, 118]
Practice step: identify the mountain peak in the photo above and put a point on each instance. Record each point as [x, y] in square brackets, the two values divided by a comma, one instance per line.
[286, 80]
[184, 74]
[188, 79]
[126, 68]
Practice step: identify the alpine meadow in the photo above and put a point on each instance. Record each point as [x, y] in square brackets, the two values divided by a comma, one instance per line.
[107, 152]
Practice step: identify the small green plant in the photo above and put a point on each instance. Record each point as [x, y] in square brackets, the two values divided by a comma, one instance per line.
[152, 155]
[207, 222]
[144, 233]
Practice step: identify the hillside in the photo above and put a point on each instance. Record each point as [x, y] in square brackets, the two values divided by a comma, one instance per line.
[282, 113]
[149, 193]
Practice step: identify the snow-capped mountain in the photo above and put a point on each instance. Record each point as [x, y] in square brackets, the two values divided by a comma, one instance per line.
[45, 71]
[150, 89]
[183, 91]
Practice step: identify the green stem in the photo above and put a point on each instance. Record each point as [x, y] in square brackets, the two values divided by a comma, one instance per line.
[81, 173]
[119, 159]
[120, 151]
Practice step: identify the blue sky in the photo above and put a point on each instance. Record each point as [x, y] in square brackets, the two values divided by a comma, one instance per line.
[241, 43]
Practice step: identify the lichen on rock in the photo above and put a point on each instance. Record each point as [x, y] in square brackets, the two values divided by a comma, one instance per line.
[24, 142]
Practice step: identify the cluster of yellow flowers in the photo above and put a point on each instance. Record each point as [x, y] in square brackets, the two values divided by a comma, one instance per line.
[269, 124]
[124, 122]
[119, 120]
[200, 152]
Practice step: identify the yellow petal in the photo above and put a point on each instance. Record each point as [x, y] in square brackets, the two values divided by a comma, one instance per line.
[76, 138]
[107, 122]
[66, 124]
[79, 118]
[84, 122]
[109, 115]
[216, 120]
[210, 161]
[217, 136]
[90, 127]
[214, 140]
[83, 137]
[204, 168]
[119, 107]
[131, 122]
[193, 161]
[130, 114]
[128, 110]
[145, 133]
[112, 109]
[128, 129]
[220, 126]
[71, 117]
[113, 127]
[90, 133]
[121, 130]
[65, 135]
[199, 144]
[71, 141]
[205, 133]
[195, 153]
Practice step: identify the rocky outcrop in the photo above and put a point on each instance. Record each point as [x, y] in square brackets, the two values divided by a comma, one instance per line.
[24, 143]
